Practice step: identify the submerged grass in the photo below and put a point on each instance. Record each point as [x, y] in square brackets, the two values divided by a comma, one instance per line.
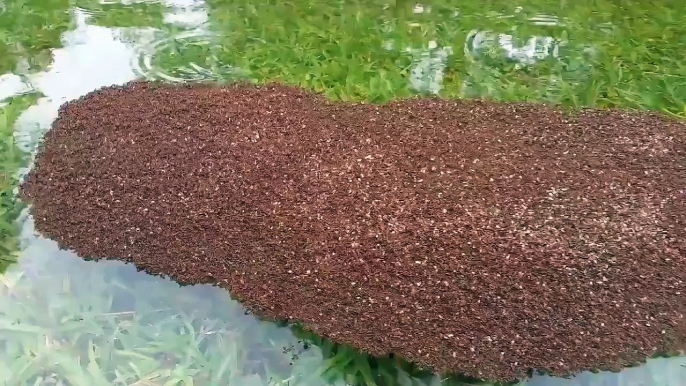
[172, 336]
[11, 159]
[64, 321]
[28, 29]
[129, 328]
[596, 53]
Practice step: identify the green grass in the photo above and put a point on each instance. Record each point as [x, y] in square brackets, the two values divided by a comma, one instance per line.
[28, 29]
[105, 324]
[83, 323]
[611, 53]
[11, 159]
[114, 15]
[171, 336]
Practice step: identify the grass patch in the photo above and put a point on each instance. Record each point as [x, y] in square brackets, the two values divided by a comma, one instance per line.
[11, 159]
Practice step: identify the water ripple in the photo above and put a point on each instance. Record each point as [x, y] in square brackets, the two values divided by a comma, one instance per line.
[189, 56]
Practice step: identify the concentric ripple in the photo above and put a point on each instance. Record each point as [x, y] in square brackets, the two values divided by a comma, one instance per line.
[189, 56]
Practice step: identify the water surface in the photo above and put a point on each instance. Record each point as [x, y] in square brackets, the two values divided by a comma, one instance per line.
[65, 321]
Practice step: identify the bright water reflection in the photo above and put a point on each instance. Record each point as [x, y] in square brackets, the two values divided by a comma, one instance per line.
[65, 321]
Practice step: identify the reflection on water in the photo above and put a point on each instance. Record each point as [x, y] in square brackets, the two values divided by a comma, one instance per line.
[65, 321]
[428, 66]
[534, 49]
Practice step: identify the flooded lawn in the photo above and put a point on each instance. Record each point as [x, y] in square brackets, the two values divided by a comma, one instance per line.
[66, 321]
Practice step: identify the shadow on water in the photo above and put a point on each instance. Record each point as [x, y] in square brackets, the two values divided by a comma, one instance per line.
[65, 321]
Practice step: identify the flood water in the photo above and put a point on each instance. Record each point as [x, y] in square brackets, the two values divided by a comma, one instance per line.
[65, 321]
